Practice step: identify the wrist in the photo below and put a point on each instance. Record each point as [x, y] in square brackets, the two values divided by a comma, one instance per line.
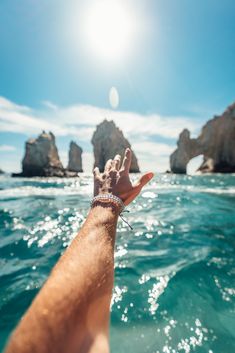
[105, 210]
[103, 216]
[108, 200]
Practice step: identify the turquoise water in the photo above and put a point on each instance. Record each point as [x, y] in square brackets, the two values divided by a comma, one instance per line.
[175, 273]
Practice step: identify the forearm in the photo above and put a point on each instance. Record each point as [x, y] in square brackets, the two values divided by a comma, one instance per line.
[71, 312]
[77, 295]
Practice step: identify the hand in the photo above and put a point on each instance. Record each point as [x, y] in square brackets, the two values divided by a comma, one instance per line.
[116, 179]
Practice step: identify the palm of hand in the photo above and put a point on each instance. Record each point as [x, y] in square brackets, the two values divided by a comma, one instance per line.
[117, 181]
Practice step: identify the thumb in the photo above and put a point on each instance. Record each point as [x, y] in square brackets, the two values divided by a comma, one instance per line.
[144, 179]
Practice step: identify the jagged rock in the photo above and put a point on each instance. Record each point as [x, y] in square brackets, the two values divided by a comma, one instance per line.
[1, 171]
[42, 158]
[75, 158]
[216, 143]
[108, 141]
[187, 149]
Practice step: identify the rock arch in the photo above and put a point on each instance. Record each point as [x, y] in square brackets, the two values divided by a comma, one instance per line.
[216, 142]
[187, 149]
[194, 164]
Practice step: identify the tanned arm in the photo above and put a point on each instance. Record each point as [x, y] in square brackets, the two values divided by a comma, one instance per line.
[71, 312]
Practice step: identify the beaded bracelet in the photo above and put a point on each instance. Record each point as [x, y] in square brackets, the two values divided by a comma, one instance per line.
[113, 199]
[109, 198]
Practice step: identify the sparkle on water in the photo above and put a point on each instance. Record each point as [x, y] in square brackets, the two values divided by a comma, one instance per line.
[174, 274]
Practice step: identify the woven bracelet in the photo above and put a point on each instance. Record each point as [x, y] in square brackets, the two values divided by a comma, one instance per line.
[109, 198]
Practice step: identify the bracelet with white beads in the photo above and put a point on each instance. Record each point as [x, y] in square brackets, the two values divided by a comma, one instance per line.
[108, 198]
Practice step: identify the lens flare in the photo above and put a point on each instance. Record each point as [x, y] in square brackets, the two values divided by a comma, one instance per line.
[114, 98]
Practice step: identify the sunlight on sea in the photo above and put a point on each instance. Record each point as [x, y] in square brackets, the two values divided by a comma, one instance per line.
[174, 273]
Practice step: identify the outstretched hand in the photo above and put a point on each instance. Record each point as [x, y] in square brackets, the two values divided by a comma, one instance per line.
[116, 179]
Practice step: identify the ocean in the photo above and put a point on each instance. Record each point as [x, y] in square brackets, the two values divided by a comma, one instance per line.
[174, 273]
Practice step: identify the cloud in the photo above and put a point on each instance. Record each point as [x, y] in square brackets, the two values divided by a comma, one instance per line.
[153, 148]
[81, 119]
[153, 155]
[132, 124]
[7, 148]
[13, 119]
[9, 105]
[50, 105]
[78, 122]
[87, 161]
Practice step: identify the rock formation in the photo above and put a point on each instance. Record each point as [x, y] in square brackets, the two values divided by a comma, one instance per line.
[42, 158]
[1, 171]
[187, 149]
[75, 158]
[216, 143]
[108, 141]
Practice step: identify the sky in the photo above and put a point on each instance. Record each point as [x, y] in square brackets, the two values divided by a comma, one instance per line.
[174, 70]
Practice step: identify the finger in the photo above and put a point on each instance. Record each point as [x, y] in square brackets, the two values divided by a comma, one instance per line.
[126, 161]
[131, 198]
[143, 180]
[116, 162]
[96, 172]
[108, 165]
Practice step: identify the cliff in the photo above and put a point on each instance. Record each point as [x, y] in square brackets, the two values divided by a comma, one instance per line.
[75, 158]
[216, 143]
[42, 159]
[108, 141]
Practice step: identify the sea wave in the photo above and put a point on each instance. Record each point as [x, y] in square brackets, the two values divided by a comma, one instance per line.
[86, 190]
[28, 191]
[174, 273]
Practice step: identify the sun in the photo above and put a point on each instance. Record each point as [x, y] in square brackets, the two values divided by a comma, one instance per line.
[108, 29]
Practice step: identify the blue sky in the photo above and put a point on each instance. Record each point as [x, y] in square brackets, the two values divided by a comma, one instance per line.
[180, 72]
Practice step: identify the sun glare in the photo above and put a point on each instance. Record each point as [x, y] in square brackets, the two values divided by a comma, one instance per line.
[108, 29]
